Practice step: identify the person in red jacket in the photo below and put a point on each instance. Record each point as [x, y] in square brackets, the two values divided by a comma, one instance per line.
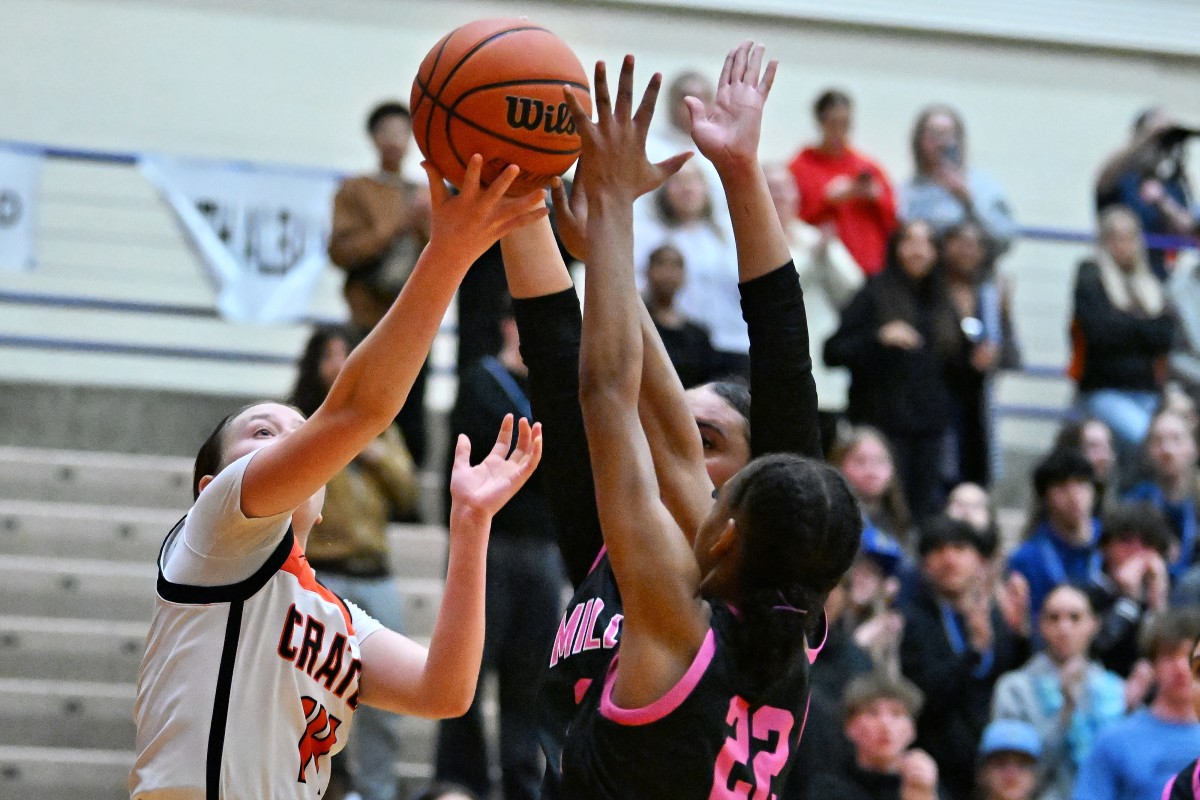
[844, 188]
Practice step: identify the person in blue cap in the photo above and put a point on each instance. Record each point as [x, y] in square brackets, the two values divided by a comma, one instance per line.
[1008, 760]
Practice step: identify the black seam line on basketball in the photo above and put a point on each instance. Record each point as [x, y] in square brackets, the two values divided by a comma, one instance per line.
[436, 97]
[425, 91]
[451, 115]
[220, 717]
[476, 48]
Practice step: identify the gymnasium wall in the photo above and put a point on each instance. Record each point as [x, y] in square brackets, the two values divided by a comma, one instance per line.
[289, 80]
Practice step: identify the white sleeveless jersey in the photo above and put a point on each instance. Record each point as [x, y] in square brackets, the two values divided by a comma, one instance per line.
[246, 689]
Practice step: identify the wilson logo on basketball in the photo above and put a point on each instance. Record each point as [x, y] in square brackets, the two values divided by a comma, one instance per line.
[527, 113]
[319, 737]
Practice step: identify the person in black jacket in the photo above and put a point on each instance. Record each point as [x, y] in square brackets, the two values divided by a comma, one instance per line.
[956, 645]
[879, 714]
[524, 585]
[906, 351]
[1122, 332]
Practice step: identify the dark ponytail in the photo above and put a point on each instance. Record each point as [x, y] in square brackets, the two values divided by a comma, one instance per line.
[801, 528]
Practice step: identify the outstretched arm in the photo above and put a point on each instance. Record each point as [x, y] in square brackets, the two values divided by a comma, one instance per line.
[665, 620]
[783, 409]
[399, 674]
[376, 379]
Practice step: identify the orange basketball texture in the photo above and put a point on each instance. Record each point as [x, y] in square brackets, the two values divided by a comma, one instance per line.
[494, 87]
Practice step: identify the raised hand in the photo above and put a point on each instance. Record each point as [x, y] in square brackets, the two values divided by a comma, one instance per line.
[487, 486]
[570, 216]
[728, 132]
[471, 221]
[613, 157]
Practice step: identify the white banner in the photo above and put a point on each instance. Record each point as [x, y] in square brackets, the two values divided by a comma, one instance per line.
[20, 175]
[261, 232]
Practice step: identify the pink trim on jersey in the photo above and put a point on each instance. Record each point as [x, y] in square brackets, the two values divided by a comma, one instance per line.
[1167, 789]
[581, 687]
[596, 563]
[813, 652]
[1196, 780]
[669, 701]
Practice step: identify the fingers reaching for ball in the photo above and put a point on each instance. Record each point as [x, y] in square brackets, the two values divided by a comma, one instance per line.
[613, 155]
[475, 218]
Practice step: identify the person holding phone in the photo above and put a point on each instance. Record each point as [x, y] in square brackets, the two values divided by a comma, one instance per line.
[843, 189]
[944, 191]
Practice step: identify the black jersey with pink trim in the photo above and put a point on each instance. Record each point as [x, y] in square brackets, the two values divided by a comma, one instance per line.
[702, 740]
[583, 647]
[1185, 785]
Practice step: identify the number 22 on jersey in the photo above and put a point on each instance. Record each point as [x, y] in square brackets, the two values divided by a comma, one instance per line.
[746, 752]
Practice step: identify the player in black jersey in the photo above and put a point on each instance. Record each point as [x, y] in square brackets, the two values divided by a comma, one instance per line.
[707, 695]
[781, 418]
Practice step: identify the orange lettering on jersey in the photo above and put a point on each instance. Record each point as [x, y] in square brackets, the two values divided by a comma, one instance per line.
[307, 656]
[333, 662]
[320, 735]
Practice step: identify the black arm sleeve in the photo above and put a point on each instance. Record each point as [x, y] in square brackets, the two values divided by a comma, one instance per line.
[550, 328]
[783, 394]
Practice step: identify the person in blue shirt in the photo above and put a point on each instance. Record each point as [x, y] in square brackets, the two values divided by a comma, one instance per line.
[1135, 758]
[1174, 487]
[1062, 546]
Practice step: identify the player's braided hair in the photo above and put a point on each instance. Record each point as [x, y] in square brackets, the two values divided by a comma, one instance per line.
[801, 528]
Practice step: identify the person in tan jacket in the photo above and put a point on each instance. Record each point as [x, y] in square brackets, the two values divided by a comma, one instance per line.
[380, 225]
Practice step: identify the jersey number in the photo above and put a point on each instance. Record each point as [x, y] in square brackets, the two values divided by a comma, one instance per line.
[751, 734]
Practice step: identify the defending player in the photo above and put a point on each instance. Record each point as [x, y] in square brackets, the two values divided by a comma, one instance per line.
[252, 668]
[688, 672]
[781, 418]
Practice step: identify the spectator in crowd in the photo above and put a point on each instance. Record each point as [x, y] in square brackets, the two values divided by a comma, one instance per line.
[1008, 760]
[1149, 175]
[1174, 487]
[864, 457]
[901, 338]
[1183, 291]
[879, 713]
[1133, 583]
[687, 343]
[956, 645]
[1062, 547]
[671, 133]
[971, 503]
[380, 225]
[844, 188]
[1135, 757]
[524, 587]
[349, 549]
[981, 313]
[945, 191]
[824, 742]
[684, 218]
[1121, 332]
[1186, 783]
[830, 278]
[1066, 697]
[872, 588]
[1093, 437]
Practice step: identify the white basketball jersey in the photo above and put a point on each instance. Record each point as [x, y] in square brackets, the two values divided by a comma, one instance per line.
[246, 689]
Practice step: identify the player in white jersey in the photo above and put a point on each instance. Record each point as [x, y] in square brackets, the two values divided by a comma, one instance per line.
[252, 668]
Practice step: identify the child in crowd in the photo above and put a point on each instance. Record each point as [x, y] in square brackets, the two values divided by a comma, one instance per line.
[1008, 761]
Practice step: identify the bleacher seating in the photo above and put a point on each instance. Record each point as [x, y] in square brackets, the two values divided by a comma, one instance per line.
[79, 533]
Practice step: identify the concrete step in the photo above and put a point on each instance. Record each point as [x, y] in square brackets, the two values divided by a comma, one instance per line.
[101, 478]
[108, 590]
[70, 649]
[130, 534]
[62, 773]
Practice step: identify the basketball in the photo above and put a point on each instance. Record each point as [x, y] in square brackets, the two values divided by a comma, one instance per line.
[494, 87]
